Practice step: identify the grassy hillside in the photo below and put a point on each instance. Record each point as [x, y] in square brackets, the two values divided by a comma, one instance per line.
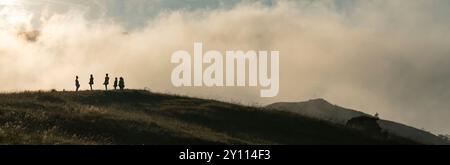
[141, 117]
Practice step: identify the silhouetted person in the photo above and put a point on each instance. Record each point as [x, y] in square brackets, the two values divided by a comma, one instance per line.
[115, 83]
[77, 83]
[91, 81]
[121, 83]
[106, 83]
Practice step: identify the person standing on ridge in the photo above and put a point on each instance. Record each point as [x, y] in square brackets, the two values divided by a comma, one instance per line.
[91, 81]
[106, 83]
[115, 83]
[121, 83]
[77, 83]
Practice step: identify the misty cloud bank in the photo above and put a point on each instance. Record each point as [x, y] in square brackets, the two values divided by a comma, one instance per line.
[390, 57]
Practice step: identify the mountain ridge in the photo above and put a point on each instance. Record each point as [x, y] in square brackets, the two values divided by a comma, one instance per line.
[318, 108]
[324, 110]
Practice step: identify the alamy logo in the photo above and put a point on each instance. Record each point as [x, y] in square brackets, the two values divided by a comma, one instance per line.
[235, 69]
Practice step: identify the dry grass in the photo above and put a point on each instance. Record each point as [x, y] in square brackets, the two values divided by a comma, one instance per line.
[142, 117]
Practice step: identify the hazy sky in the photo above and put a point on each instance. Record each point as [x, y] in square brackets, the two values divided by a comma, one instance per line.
[385, 56]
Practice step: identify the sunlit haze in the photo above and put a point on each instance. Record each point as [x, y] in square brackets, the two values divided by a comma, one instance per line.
[390, 57]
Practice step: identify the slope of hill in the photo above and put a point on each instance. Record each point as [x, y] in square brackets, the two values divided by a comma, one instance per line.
[141, 117]
[412, 133]
[323, 110]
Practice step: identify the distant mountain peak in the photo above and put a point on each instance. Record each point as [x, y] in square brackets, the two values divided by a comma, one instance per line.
[323, 110]
[318, 101]
[318, 108]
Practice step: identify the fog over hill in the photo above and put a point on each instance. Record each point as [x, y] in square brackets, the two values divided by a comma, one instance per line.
[385, 56]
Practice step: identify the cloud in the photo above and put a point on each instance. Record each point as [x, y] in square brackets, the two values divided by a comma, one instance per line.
[390, 57]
